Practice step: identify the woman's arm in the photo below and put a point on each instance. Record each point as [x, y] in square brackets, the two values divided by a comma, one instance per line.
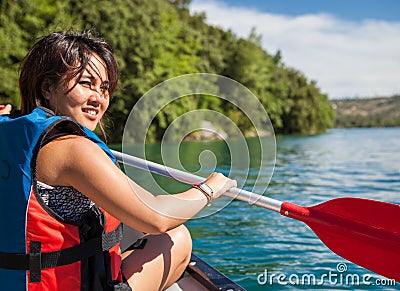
[78, 162]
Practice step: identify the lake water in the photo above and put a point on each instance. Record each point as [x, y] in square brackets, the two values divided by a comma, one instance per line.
[251, 244]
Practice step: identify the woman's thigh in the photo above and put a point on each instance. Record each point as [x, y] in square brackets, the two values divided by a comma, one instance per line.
[161, 262]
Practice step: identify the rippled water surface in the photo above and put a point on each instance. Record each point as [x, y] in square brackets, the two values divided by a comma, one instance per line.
[250, 244]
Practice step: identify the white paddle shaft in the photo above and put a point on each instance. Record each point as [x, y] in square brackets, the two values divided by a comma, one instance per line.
[188, 178]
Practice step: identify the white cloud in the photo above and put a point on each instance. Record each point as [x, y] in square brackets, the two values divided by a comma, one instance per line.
[346, 59]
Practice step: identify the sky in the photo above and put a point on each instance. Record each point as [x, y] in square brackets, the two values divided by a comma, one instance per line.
[351, 48]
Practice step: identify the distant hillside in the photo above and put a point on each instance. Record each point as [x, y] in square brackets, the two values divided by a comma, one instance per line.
[374, 112]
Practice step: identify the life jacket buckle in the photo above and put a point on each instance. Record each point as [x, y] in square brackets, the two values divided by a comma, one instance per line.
[35, 261]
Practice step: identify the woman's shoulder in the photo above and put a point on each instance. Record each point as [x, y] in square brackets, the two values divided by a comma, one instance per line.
[71, 144]
[75, 149]
[68, 155]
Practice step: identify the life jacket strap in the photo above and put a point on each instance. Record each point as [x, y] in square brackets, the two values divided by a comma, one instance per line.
[36, 260]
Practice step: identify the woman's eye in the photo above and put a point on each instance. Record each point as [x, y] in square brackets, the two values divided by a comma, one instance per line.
[86, 83]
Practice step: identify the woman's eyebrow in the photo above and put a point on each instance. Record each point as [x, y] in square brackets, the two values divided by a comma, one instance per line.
[91, 77]
[87, 75]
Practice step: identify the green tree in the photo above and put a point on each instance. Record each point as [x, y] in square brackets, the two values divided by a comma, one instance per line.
[157, 40]
[21, 23]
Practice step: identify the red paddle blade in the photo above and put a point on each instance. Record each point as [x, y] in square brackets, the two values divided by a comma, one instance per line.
[365, 232]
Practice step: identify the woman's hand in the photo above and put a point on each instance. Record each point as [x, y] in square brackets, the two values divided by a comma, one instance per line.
[219, 184]
[5, 109]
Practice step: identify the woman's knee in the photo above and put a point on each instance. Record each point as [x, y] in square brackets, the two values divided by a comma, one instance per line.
[169, 252]
[182, 241]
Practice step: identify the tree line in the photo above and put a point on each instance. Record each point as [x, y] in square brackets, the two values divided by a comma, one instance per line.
[160, 39]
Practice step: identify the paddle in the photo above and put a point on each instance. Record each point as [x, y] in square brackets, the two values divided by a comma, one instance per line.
[365, 232]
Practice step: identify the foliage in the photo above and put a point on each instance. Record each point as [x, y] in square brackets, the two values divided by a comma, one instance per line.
[157, 40]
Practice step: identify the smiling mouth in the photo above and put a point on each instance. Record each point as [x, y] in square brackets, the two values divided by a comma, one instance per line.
[91, 112]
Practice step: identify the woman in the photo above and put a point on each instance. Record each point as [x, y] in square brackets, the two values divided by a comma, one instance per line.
[68, 193]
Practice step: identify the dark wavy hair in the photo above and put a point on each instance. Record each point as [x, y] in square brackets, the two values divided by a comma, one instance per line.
[61, 56]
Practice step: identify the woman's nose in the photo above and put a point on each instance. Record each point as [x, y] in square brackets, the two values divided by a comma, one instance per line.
[98, 95]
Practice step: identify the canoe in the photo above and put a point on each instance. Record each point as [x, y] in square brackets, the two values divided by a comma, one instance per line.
[198, 276]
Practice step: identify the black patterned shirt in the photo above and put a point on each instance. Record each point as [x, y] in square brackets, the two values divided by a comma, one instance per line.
[67, 202]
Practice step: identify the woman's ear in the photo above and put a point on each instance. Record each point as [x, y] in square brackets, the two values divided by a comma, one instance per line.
[46, 89]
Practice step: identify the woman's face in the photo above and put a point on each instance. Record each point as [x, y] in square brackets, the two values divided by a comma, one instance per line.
[88, 100]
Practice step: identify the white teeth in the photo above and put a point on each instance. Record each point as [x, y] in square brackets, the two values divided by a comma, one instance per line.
[91, 112]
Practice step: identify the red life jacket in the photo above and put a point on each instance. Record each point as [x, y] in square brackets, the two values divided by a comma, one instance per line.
[91, 273]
